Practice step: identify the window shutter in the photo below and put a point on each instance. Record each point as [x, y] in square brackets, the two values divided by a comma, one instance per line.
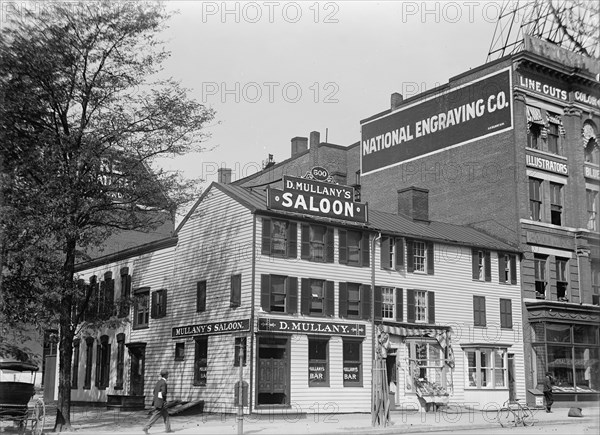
[266, 236]
[502, 313]
[384, 254]
[378, 311]
[475, 263]
[476, 316]
[343, 251]
[399, 253]
[482, 311]
[410, 306]
[154, 304]
[329, 245]
[364, 249]
[487, 266]
[291, 295]
[410, 257]
[305, 296]
[292, 240]
[329, 298]
[501, 267]
[430, 258]
[343, 299]
[265, 292]
[513, 269]
[399, 304]
[365, 301]
[431, 307]
[201, 296]
[163, 306]
[235, 297]
[305, 241]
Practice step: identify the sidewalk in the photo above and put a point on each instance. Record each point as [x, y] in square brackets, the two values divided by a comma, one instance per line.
[101, 421]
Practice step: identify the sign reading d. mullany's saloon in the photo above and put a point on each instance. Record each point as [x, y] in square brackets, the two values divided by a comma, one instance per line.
[228, 326]
[317, 198]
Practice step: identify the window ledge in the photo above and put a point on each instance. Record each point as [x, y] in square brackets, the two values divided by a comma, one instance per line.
[547, 153]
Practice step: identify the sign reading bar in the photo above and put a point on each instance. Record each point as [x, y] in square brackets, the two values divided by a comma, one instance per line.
[478, 109]
[211, 328]
[310, 327]
[301, 195]
[546, 164]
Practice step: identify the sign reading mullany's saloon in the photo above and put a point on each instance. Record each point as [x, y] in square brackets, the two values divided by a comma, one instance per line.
[310, 327]
[317, 198]
[224, 327]
[475, 110]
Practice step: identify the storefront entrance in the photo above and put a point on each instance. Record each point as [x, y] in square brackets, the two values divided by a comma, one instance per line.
[137, 354]
[273, 371]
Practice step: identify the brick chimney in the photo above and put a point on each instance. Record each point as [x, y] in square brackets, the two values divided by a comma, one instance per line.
[299, 145]
[224, 175]
[396, 100]
[413, 202]
[315, 139]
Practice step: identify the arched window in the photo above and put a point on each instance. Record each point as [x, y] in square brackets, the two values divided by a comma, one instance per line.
[590, 143]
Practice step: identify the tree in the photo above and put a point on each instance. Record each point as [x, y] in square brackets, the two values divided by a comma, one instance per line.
[83, 118]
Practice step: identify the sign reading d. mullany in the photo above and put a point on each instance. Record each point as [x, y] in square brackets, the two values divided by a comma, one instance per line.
[317, 198]
[475, 110]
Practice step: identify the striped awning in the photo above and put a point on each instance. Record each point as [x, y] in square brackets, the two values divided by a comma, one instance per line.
[534, 115]
[443, 335]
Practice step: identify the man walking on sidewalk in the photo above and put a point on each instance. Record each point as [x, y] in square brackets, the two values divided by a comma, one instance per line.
[160, 403]
[548, 396]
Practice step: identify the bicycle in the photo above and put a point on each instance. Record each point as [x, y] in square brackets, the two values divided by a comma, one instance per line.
[515, 414]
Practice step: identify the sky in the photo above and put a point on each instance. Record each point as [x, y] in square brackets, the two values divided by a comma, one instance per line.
[275, 70]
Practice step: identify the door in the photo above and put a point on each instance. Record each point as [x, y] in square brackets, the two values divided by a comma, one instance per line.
[273, 372]
[137, 354]
[512, 383]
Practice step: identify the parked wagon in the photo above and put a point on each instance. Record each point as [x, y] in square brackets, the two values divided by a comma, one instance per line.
[16, 395]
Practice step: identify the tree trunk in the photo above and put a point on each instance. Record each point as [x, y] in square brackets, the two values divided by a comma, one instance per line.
[66, 333]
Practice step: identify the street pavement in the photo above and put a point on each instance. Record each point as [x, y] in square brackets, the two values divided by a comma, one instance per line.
[100, 421]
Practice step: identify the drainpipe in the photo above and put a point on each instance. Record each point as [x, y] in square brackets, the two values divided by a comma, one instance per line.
[252, 332]
[373, 244]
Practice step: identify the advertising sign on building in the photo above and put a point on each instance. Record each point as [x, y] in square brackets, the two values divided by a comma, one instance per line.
[317, 198]
[225, 327]
[310, 327]
[546, 164]
[475, 110]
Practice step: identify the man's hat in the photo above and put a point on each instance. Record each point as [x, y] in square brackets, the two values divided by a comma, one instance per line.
[164, 372]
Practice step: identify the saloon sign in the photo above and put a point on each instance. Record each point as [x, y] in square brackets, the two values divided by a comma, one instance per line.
[317, 198]
[310, 327]
[224, 327]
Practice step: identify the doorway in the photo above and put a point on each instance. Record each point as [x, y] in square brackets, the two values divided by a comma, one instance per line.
[273, 371]
[137, 354]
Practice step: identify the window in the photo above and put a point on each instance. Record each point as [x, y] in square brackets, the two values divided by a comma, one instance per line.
[141, 309]
[317, 243]
[106, 297]
[506, 313]
[420, 306]
[318, 362]
[103, 363]
[355, 300]
[317, 297]
[556, 203]
[479, 311]
[179, 351]
[595, 266]
[240, 351]
[419, 256]
[235, 297]
[592, 209]
[482, 265]
[279, 294]
[120, 361]
[200, 360]
[533, 136]
[125, 292]
[387, 303]
[507, 268]
[426, 360]
[539, 266]
[159, 304]
[89, 361]
[562, 279]
[592, 152]
[535, 199]
[75, 365]
[354, 248]
[392, 252]
[200, 296]
[553, 134]
[487, 368]
[352, 354]
[279, 238]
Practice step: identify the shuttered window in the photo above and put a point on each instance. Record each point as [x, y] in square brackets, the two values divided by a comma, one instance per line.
[482, 265]
[507, 268]
[479, 318]
[125, 292]
[354, 248]
[355, 300]
[317, 297]
[506, 313]
[279, 294]
[392, 252]
[316, 243]
[420, 306]
[279, 238]
[419, 256]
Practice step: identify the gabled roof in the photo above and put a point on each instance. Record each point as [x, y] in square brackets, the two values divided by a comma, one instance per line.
[255, 199]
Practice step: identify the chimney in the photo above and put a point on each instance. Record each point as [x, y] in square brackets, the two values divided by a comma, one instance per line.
[413, 202]
[224, 175]
[315, 139]
[299, 145]
[396, 100]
